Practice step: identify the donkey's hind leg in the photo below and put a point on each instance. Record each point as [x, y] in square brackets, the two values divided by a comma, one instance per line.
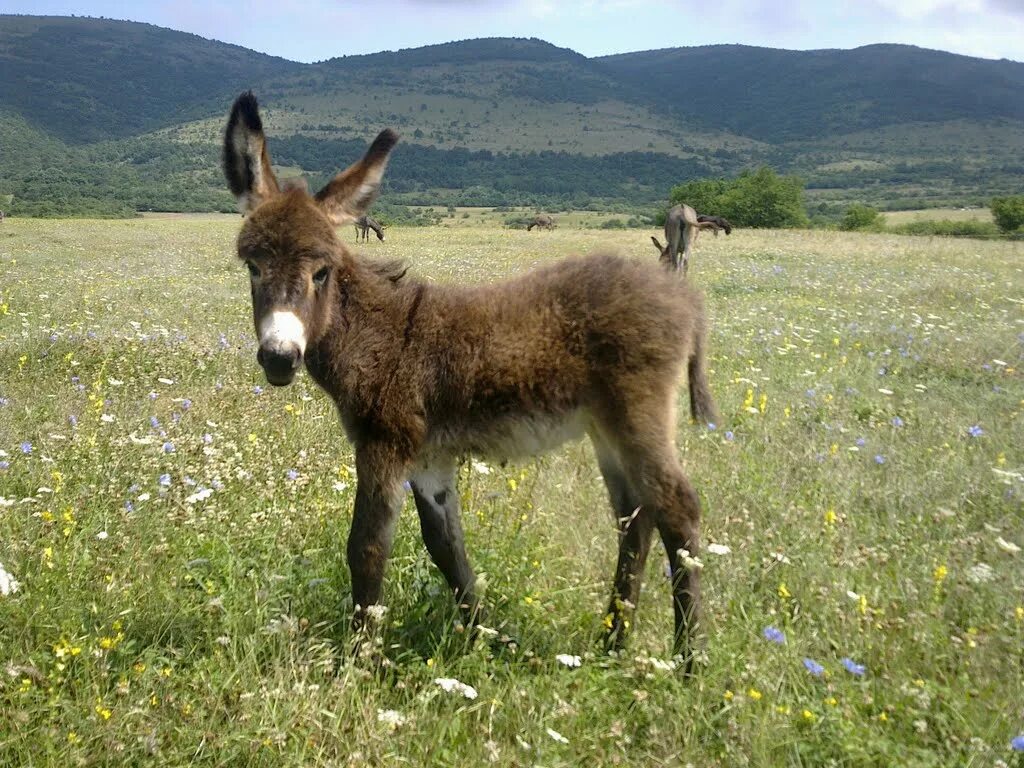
[635, 527]
[437, 502]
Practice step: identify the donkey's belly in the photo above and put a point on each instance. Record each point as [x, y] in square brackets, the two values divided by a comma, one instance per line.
[511, 438]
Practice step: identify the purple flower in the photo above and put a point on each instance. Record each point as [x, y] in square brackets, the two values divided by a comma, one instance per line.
[853, 667]
[774, 635]
[879, 458]
[186, 404]
[129, 507]
[75, 379]
[897, 421]
[164, 480]
[3, 401]
[729, 435]
[810, 393]
[711, 426]
[1017, 745]
[168, 447]
[814, 667]
[207, 438]
[53, 337]
[975, 431]
[73, 420]
[861, 442]
[292, 474]
[26, 447]
[154, 422]
[152, 395]
[257, 390]
[4, 464]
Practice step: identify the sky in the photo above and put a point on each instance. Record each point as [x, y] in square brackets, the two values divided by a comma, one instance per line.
[314, 30]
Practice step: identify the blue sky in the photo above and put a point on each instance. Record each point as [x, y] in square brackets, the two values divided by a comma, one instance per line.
[320, 29]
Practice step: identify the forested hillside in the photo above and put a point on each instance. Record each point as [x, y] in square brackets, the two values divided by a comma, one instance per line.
[105, 117]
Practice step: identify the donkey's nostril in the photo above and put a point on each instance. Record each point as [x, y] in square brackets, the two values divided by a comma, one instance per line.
[279, 365]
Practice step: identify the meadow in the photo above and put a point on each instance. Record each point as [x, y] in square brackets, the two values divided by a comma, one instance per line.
[172, 529]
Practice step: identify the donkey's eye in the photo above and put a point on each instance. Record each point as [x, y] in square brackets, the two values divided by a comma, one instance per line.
[253, 269]
[321, 276]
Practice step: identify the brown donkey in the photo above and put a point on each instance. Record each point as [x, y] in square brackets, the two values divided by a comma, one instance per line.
[423, 374]
[682, 225]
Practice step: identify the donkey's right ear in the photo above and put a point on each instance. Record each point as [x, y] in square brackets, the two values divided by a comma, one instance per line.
[245, 161]
[349, 194]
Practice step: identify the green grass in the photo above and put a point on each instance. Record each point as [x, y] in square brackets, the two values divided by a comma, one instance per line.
[155, 626]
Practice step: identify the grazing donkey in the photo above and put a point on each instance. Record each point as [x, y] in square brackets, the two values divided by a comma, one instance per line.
[682, 225]
[423, 374]
[363, 226]
[541, 221]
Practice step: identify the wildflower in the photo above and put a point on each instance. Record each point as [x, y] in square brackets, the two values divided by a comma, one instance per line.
[451, 685]
[975, 431]
[1007, 546]
[8, 584]
[103, 711]
[808, 716]
[165, 480]
[1017, 744]
[556, 736]
[154, 422]
[102, 535]
[783, 592]
[26, 447]
[711, 426]
[830, 516]
[774, 635]
[390, 718]
[853, 667]
[940, 573]
[729, 435]
[568, 660]
[207, 438]
[879, 458]
[4, 464]
[257, 390]
[814, 667]
[292, 474]
[73, 420]
[186, 404]
[728, 695]
[861, 442]
[754, 694]
[897, 421]
[719, 549]
[981, 573]
[168, 447]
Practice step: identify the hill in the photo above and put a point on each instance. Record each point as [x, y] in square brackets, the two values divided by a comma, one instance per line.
[109, 117]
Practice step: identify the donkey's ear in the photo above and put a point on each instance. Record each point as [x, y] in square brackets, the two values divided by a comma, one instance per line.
[246, 162]
[350, 193]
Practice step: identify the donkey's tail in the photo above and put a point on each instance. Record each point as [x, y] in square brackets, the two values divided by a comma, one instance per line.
[702, 404]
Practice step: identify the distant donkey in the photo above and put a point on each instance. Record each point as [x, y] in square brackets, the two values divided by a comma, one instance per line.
[541, 221]
[424, 373]
[682, 225]
[363, 226]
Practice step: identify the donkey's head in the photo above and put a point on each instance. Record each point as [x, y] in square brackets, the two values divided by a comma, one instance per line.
[288, 241]
[663, 254]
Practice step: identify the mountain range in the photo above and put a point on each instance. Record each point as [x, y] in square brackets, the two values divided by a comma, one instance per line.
[109, 117]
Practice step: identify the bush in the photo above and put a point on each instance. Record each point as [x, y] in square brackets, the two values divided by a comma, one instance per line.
[613, 224]
[947, 228]
[1008, 212]
[860, 217]
[758, 199]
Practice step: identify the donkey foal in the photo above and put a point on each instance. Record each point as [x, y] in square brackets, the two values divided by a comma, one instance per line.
[423, 374]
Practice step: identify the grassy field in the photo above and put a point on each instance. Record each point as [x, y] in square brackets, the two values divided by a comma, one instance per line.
[176, 528]
[939, 214]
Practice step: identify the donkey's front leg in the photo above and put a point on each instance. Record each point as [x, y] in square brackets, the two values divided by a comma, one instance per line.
[437, 501]
[378, 500]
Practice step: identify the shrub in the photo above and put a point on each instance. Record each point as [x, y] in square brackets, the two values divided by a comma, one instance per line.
[1008, 212]
[860, 217]
[755, 199]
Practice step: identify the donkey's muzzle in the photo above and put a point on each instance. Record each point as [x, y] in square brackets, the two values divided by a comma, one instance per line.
[279, 365]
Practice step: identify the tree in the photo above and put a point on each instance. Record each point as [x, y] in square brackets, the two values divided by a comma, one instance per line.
[860, 217]
[1008, 212]
[758, 199]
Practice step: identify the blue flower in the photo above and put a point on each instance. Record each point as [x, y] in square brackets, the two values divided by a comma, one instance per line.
[729, 435]
[853, 667]
[168, 447]
[292, 474]
[975, 431]
[774, 635]
[897, 421]
[810, 393]
[4, 464]
[814, 667]
[257, 390]
[1017, 745]
[3, 401]
[861, 442]
[73, 420]
[711, 426]
[129, 507]
[154, 422]
[207, 438]
[879, 458]
[165, 480]
[26, 447]
[186, 404]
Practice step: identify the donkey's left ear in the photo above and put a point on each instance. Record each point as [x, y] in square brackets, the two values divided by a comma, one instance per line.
[246, 161]
[347, 196]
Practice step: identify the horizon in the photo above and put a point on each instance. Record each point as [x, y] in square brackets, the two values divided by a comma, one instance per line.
[611, 27]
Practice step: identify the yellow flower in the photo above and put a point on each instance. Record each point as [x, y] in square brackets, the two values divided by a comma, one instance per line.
[754, 694]
[808, 716]
[883, 717]
[512, 484]
[782, 709]
[862, 605]
[748, 401]
[1019, 612]
[103, 711]
[940, 573]
[830, 516]
[831, 701]
[728, 695]
[72, 737]
[783, 592]
[762, 403]
[786, 411]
